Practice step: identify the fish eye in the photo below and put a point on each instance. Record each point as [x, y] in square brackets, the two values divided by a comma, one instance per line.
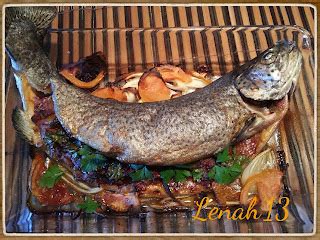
[269, 57]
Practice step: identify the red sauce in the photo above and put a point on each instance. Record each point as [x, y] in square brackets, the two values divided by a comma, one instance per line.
[56, 196]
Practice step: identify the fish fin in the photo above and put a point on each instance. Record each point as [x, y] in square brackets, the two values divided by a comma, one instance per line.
[40, 16]
[25, 127]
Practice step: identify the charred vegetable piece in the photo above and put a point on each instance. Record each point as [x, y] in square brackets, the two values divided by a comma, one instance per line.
[88, 68]
[119, 202]
[227, 194]
[70, 76]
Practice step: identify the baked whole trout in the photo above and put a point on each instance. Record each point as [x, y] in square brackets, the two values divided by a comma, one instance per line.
[176, 131]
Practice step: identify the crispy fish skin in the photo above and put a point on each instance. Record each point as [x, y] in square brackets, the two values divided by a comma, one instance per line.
[170, 132]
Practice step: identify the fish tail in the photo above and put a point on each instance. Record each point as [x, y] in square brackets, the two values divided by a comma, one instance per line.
[25, 28]
[25, 127]
[41, 17]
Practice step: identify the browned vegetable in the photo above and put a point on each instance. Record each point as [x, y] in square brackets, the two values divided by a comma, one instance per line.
[110, 92]
[226, 194]
[70, 76]
[169, 72]
[152, 88]
[266, 184]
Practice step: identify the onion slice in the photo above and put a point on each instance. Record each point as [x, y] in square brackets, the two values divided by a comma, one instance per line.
[68, 178]
[265, 160]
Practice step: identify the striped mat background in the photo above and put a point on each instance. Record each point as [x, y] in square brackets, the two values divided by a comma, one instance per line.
[138, 37]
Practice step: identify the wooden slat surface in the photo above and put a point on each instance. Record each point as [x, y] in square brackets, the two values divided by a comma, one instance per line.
[227, 49]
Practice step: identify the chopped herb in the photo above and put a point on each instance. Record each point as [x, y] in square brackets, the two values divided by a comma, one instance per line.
[85, 150]
[223, 156]
[211, 173]
[179, 175]
[89, 205]
[51, 176]
[240, 159]
[167, 175]
[228, 166]
[197, 174]
[225, 175]
[141, 174]
[90, 161]
[136, 166]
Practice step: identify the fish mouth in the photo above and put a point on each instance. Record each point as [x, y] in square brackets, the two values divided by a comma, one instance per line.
[266, 113]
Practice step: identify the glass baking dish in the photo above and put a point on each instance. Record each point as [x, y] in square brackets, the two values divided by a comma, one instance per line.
[220, 49]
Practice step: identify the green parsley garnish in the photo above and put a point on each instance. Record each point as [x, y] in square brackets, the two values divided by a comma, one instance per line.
[223, 156]
[225, 175]
[90, 161]
[197, 174]
[179, 175]
[51, 176]
[140, 173]
[228, 167]
[89, 205]
[211, 173]
[167, 175]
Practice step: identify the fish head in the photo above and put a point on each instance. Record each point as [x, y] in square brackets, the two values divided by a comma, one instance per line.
[272, 75]
[265, 85]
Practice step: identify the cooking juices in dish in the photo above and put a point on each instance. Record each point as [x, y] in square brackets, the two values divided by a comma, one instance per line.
[165, 148]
